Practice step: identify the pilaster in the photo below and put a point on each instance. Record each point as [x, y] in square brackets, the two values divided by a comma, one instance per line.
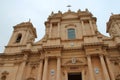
[58, 68]
[110, 68]
[90, 68]
[50, 34]
[58, 29]
[21, 68]
[83, 28]
[45, 71]
[91, 26]
[39, 75]
[104, 68]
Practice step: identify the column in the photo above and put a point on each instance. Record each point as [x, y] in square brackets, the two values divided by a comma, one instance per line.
[83, 27]
[58, 29]
[39, 76]
[104, 68]
[110, 68]
[58, 69]
[21, 69]
[66, 75]
[91, 27]
[83, 74]
[45, 71]
[50, 30]
[90, 68]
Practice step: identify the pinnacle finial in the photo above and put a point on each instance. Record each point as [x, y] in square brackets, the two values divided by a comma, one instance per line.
[59, 12]
[86, 10]
[52, 13]
[29, 20]
[112, 13]
[78, 10]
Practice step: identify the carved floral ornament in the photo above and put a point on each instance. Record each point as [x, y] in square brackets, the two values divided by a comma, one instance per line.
[33, 64]
[118, 77]
[4, 75]
[70, 26]
[115, 59]
[113, 32]
[75, 61]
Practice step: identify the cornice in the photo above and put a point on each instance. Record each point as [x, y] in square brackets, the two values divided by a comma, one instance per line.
[93, 44]
[15, 46]
[72, 48]
[67, 40]
[53, 47]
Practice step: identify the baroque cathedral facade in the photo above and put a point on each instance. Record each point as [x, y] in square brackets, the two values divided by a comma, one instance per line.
[71, 49]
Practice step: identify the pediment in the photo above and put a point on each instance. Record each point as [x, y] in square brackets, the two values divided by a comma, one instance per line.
[69, 15]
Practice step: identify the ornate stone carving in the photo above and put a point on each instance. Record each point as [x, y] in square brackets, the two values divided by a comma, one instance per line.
[73, 60]
[34, 64]
[113, 32]
[80, 61]
[30, 78]
[118, 77]
[115, 60]
[4, 75]
[31, 38]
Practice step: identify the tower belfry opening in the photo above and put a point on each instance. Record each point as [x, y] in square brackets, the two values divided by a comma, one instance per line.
[74, 76]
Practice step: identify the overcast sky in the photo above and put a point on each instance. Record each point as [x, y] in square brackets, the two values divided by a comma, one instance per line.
[13, 12]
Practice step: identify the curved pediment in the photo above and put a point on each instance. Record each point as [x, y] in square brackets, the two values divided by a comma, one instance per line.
[69, 15]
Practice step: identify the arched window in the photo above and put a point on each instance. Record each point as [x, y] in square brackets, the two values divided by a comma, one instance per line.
[18, 39]
[71, 33]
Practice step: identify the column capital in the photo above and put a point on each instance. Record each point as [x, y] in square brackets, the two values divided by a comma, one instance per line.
[101, 55]
[58, 57]
[88, 56]
[25, 57]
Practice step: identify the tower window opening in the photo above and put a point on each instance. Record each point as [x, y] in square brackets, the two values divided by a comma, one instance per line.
[18, 38]
[71, 33]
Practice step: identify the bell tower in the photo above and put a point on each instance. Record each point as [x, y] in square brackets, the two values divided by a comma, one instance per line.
[23, 34]
[113, 27]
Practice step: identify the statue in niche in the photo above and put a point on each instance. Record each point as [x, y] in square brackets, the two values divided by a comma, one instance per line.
[118, 77]
[4, 75]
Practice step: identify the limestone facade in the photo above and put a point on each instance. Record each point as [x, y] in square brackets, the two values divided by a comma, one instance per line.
[72, 45]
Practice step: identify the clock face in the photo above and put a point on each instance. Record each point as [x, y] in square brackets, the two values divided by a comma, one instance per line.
[96, 70]
[52, 72]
